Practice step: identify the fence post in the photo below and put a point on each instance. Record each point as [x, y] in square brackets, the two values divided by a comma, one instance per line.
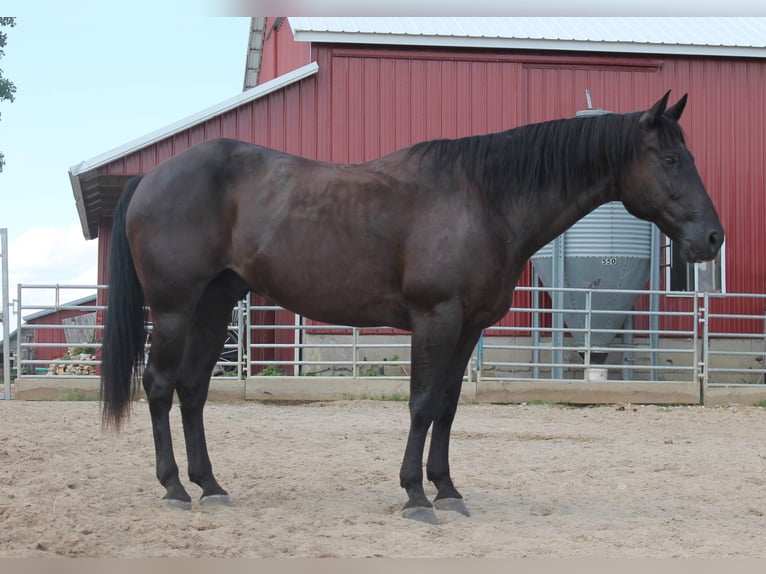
[588, 320]
[297, 349]
[535, 322]
[354, 353]
[5, 316]
[19, 331]
[249, 339]
[702, 370]
[479, 358]
[240, 335]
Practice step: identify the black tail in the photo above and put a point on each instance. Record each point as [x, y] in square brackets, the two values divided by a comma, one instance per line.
[122, 352]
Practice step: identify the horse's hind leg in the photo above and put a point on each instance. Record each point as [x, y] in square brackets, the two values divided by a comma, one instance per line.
[168, 337]
[204, 342]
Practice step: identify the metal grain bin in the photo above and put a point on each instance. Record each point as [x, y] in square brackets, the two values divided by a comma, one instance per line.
[607, 249]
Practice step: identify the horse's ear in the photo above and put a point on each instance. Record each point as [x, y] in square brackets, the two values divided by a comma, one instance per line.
[651, 115]
[675, 111]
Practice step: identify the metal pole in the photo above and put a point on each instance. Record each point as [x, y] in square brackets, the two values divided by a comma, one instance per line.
[588, 321]
[354, 350]
[4, 316]
[241, 315]
[654, 301]
[703, 362]
[535, 326]
[479, 357]
[249, 339]
[627, 356]
[19, 332]
[297, 340]
[557, 318]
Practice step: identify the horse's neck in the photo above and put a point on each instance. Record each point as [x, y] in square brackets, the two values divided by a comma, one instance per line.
[535, 225]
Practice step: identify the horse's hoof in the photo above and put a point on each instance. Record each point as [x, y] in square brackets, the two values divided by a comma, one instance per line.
[421, 514]
[174, 504]
[215, 500]
[452, 504]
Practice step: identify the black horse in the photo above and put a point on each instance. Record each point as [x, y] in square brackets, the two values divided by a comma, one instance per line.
[431, 239]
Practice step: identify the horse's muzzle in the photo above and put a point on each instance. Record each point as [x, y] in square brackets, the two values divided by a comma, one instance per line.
[704, 248]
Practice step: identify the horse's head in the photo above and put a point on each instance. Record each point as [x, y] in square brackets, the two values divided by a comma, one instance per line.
[663, 185]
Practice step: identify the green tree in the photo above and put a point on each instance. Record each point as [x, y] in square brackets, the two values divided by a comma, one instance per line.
[7, 89]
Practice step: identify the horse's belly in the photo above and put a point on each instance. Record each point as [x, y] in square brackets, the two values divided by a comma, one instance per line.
[335, 297]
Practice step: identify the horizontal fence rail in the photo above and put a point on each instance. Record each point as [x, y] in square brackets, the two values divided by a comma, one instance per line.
[691, 337]
[557, 351]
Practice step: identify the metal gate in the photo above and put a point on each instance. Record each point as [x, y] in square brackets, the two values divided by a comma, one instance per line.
[693, 342]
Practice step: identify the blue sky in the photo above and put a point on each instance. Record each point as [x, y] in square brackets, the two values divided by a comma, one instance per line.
[87, 82]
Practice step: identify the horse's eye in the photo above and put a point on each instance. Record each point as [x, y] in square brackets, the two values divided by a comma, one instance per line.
[670, 160]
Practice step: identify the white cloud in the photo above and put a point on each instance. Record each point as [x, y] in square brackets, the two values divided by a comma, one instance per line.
[50, 256]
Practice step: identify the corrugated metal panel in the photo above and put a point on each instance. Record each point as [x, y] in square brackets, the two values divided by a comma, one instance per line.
[280, 53]
[725, 123]
[382, 104]
[609, 231]
[711, 36]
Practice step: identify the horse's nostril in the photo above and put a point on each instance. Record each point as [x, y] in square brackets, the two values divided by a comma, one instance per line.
[714, 238]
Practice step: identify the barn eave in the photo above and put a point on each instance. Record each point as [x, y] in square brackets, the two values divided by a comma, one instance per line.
[93, 190]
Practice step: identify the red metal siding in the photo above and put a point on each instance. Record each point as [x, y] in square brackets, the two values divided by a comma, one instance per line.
[261, 337]
[281, 54]
[382, 101]
[53, 336]
[725, 123]
[366, 102]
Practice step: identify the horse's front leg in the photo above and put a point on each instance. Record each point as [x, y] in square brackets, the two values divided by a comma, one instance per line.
[438, 470]
[434, 336]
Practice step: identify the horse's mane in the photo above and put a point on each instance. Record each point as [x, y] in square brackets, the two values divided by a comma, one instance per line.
[561, 155]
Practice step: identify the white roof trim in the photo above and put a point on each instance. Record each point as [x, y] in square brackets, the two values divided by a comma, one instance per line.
[190, 121]
[531, 44]
[737, 37]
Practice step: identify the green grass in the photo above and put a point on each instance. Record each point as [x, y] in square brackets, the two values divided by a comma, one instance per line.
[760, 404]
[396, 397]
[272, 371]
[79, 396]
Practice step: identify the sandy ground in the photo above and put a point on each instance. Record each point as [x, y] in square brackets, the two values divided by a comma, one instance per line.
[320, 480]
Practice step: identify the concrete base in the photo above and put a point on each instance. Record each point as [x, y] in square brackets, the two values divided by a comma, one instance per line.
[320, 388]
[745, 395]
[325, 388]
[588, 392]
[379, 388]
[50, 388]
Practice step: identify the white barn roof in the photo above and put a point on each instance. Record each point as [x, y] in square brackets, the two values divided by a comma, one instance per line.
[701, 36]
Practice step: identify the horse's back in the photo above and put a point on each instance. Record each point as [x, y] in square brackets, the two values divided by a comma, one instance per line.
[339, 243]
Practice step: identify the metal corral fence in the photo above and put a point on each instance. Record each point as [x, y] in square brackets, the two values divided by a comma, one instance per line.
[641, 349]
[681, 337]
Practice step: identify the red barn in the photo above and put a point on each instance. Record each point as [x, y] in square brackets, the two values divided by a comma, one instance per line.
[353, 89]
[55, 331]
